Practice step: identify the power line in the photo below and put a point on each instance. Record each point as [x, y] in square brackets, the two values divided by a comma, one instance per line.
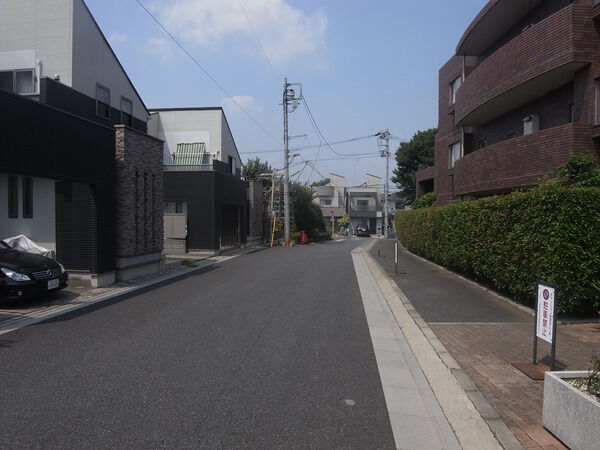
[306, 147]
[208, 75]
[320, 133]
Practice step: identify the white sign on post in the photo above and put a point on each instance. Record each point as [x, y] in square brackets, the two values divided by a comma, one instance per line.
[545, 313]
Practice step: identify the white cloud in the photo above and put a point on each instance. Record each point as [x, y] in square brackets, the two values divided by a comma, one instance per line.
[162, 48]
[117, 37]
[284, 33]
[245, 101]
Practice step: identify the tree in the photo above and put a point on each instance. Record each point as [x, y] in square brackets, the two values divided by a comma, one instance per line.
[411, 157]
[307, 215]
[323, 182]
[252, 170]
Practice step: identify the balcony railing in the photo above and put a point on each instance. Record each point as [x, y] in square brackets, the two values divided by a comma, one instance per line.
[519, 162]
[540, 59]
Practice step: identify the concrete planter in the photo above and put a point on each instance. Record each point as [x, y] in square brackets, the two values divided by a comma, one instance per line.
[569, 414]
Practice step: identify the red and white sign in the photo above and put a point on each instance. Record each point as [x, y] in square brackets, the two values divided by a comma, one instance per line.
[545, 313]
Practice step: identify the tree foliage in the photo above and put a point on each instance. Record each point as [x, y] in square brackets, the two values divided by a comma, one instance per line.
[307, 215]
[252, 170]
[411, 157]
[425, 201]
[581, 170]
[511, 242]
[323, 182]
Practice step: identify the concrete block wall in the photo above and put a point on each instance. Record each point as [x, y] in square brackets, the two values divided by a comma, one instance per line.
[255, 204]
[139, 193]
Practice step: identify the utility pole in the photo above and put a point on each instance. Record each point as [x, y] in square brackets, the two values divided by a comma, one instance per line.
[289, 97]
[384, 141]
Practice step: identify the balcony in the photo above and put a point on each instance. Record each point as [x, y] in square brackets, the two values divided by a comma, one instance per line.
[518, 162]
[539, 60]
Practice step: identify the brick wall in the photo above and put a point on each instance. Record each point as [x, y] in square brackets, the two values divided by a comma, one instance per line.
[139, 193]
[567, 36]
[562, 38]
[519, 162]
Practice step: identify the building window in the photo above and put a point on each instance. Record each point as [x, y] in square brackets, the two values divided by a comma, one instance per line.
[362, 205]
[326, 201]
[572, 113]
[18, 81]
[126, 112]
[102, 102]
[231, 163]
[454, 87]
[13, 197]
[27, 184]
[597, 118]
[454, 153]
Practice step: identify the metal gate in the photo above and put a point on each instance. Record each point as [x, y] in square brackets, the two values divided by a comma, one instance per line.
[175, 229]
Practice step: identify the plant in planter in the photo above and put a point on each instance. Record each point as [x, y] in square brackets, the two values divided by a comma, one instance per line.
[572, 406]
[590, 384]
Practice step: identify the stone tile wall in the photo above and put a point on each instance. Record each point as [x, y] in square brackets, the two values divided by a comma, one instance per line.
[139, 193]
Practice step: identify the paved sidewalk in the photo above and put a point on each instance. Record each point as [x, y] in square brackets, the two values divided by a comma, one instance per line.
[487, 341]
[79, 294]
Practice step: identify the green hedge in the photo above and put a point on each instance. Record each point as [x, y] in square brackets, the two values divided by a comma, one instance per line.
[510, 242]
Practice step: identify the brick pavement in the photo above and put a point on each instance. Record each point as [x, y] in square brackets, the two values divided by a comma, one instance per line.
[486, 351]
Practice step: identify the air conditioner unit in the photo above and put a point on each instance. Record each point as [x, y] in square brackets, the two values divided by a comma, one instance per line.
[531, 124]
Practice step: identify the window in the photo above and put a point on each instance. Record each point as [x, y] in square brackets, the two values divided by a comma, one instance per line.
[6, 81]
[326, 202]
[597, 118]
[572, 113]
[24, 82]
[231, 163]
[18, 81]
[13, 197]
[362, 205]
[126, 112]
[454, 153]
[454, 86]
[102, 102]
[27, 184]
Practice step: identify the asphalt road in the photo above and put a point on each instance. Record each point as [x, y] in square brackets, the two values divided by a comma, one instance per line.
[439, 296]
[269, 350]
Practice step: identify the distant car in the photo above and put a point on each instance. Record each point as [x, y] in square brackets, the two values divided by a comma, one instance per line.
[25, 275]
[362, 231]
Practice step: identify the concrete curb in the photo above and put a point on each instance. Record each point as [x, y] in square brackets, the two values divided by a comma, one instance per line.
[473, 428]
[74, 305]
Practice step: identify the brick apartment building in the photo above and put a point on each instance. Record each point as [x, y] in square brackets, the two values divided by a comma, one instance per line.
[517, 99]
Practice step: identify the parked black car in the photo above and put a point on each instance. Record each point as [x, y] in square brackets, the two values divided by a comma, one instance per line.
[25, 275]
[362, 231]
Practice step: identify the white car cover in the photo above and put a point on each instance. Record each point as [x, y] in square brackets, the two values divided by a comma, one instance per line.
[24, 244]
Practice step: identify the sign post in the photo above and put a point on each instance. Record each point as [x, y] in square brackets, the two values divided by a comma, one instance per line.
[545, 319]
[396, 256]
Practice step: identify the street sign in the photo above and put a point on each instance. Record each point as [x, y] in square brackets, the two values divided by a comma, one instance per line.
[332, 217]
[545, 314]
[545, 320]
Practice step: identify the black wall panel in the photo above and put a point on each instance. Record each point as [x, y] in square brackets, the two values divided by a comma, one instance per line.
[40, 141]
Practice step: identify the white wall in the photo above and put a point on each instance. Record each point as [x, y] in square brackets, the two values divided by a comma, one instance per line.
[94, 62]
[228, 147]
[42, 227]
[37, 29]
[187, 126]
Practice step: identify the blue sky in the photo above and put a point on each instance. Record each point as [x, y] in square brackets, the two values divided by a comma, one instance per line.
[364, 66]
